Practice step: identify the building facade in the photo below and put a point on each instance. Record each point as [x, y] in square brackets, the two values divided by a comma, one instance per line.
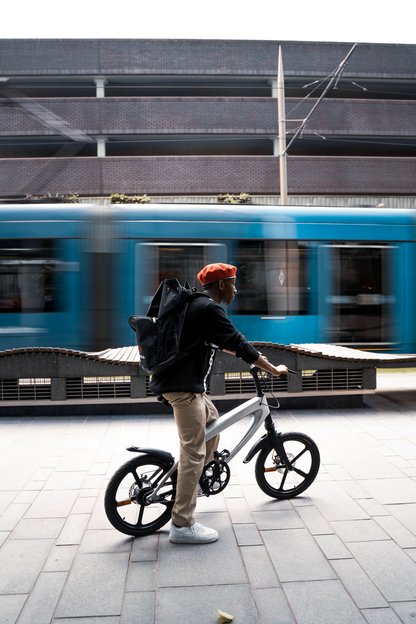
[197, 118]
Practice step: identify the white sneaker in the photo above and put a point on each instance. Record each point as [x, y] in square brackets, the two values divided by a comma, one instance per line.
[195, 534]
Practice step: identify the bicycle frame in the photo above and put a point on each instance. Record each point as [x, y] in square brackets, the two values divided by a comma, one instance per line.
[259, 410]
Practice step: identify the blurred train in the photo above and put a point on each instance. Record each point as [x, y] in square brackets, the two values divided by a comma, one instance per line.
[71, 275]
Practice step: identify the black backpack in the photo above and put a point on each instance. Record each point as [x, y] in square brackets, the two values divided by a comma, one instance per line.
[159, 332]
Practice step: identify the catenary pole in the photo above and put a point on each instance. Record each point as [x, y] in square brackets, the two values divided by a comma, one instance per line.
[282, 130]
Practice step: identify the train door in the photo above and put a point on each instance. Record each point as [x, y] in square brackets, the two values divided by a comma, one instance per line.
[157, 261]
[358, 295]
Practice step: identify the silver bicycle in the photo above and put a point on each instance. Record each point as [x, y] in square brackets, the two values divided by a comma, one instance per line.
[140, 495]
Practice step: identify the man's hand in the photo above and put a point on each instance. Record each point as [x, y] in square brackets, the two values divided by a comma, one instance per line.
[280, 370]
[264, 364]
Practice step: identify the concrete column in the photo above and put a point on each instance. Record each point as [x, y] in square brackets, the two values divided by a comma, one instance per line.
[294, 382]
[100, 84]
[101, 141]
[58, 389]
[369, 378]
[276, 146]
[217, 385]
[138, 387]
[273, 84]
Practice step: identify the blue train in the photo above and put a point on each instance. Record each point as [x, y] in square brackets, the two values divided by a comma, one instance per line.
[71, 275]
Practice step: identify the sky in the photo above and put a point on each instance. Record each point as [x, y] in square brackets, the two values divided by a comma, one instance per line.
[300, 20]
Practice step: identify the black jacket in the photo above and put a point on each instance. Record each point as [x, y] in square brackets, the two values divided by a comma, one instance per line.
[206, 325]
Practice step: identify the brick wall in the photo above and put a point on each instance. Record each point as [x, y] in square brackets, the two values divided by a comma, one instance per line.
[208, 175]
[153, 115]
[167, 56]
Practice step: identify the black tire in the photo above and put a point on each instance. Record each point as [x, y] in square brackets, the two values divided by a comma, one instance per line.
[283, 483]
[125, 497]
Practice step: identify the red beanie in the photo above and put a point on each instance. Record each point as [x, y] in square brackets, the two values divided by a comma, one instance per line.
[215, 272]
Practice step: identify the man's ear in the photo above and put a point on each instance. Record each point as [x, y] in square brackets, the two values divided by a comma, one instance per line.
[220, 285]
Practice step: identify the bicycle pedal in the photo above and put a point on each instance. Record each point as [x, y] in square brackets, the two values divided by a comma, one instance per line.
[221, 455]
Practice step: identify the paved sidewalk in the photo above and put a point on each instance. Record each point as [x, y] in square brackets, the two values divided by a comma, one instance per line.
[342, 553]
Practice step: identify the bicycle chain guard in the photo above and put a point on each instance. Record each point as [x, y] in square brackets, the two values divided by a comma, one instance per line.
[216, 474]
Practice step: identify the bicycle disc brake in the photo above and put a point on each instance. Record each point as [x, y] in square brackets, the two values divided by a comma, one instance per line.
[216, 475]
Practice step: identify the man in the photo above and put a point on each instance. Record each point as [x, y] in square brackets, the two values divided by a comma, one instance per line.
[185, 384]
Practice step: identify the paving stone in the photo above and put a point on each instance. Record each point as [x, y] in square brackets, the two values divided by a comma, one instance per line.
[38, 528]
[17, 569]
[41, 604]
[380, 616]
[411, 552]
[76, 460]
[105, 541]
[355, 490]
[142, 576]
[99, 468]
[359, 459]
[314, 521]
[373, 508]
[323, 602]
[3, 536]
[139, 608]
[53, 504]
[65, 481]
[362, 590]
[145, 548]
[239, 510]
[73, 530]
[392, 571]
[84, 504]
[403, 537]
[403, 448]
[95, 586]
[271, 520]
[208, 564]
[90, 620]
[332, 547]
[296, 556]
[189, 604]
[359, 531]
[390, 491]
[406, 611]
[25, 497]
[98, 519]
[338, 473]
[259, 501]
[272, 606]
[334, 503]
[11, 517]
[60, 559]
[301, 501]
[247, 535]
[259, 568]
[10, 607]
[406, 514]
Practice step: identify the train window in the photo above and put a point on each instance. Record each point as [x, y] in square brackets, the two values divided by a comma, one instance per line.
[169, 260]
[272, 277]
[361, 294]
[28, 276]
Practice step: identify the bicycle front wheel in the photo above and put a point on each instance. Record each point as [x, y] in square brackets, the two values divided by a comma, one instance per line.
[126, 503]
[275, 479]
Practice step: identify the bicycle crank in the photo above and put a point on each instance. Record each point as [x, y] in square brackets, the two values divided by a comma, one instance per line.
[216, 475]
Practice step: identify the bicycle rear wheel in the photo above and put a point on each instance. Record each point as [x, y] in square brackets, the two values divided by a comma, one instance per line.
[275, 479]
[125, 499]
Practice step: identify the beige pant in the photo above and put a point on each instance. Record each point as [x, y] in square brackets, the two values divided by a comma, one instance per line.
[192, 413]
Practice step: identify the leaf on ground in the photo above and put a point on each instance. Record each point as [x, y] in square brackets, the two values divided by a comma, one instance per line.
[224, 617]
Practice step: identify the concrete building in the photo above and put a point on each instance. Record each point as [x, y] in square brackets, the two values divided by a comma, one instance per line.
[196, 118]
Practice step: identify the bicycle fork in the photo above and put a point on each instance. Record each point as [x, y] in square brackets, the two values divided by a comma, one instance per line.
[271, 437]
